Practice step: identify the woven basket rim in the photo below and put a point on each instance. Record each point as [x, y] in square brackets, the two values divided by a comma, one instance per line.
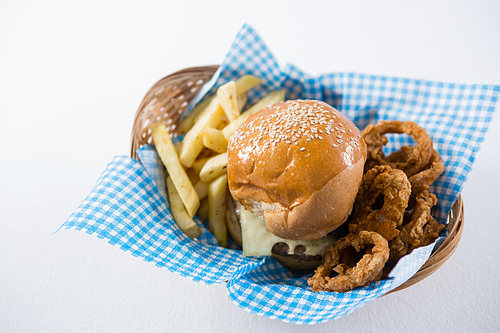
[179, 73]
[455, 217]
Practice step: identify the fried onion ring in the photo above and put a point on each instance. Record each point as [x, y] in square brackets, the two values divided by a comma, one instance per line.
[396, 189]
[368, 269]
[424, 179]
[409, 159]
[421, 230]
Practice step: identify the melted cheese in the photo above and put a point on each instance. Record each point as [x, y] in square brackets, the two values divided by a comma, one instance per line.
[259, 241]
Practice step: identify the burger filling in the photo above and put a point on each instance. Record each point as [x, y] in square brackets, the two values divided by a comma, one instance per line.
[259, 241]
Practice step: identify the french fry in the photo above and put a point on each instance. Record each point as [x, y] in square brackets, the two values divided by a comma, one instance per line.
[202, 113]
[223, 123]
[193, 140]
[214, 167]
[217, 209]
[272, 98]
[246, 82]
[178, 148]
[214, 139]
[241, 101]
[203, 210]
[199, 163]
[201, 189]
[168, 155]
[232, 127]
[227, 96]
[193, 176]
[188, 122]
[243, 84]
[181, 217]
[205, 152]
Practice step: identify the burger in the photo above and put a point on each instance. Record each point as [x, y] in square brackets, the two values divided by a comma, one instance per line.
[294, 169]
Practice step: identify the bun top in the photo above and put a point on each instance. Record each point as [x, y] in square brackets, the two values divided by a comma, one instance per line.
[297, 165]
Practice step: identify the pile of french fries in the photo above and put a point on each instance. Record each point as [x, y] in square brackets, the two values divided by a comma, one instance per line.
[197, 177]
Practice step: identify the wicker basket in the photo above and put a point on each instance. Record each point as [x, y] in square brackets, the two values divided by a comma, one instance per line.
[167, 100]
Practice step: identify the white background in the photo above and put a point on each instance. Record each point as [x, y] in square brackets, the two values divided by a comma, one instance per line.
[72, 75]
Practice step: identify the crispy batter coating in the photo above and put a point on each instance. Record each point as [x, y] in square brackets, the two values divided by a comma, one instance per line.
[421, 230]
[366, 270]
[409, 159]
[424, 179]
[395, 188]
[394, 227]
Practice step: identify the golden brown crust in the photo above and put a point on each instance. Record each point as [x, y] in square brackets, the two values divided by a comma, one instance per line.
[424, 179]
[287, 154]
[396, 189]
[421, 230]
[366, 270]
[409, 159]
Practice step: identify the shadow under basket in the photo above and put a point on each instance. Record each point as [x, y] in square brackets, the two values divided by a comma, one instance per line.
[167, 101]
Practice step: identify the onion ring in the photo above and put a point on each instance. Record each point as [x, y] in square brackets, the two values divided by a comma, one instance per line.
[368, 269]
[396, 189]
[424, 179]
[421, 230]
[409, 159]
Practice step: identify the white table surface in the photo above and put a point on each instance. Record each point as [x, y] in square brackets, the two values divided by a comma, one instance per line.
[72, 75]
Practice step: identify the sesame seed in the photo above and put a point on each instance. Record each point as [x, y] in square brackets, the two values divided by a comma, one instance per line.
[302, 149]
[287, 125]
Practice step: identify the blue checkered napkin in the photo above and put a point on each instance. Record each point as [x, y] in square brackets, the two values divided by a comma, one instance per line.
[151, 161]
[272, 291]
[126, 208]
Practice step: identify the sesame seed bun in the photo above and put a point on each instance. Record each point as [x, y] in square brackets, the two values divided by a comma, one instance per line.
[297, 165]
